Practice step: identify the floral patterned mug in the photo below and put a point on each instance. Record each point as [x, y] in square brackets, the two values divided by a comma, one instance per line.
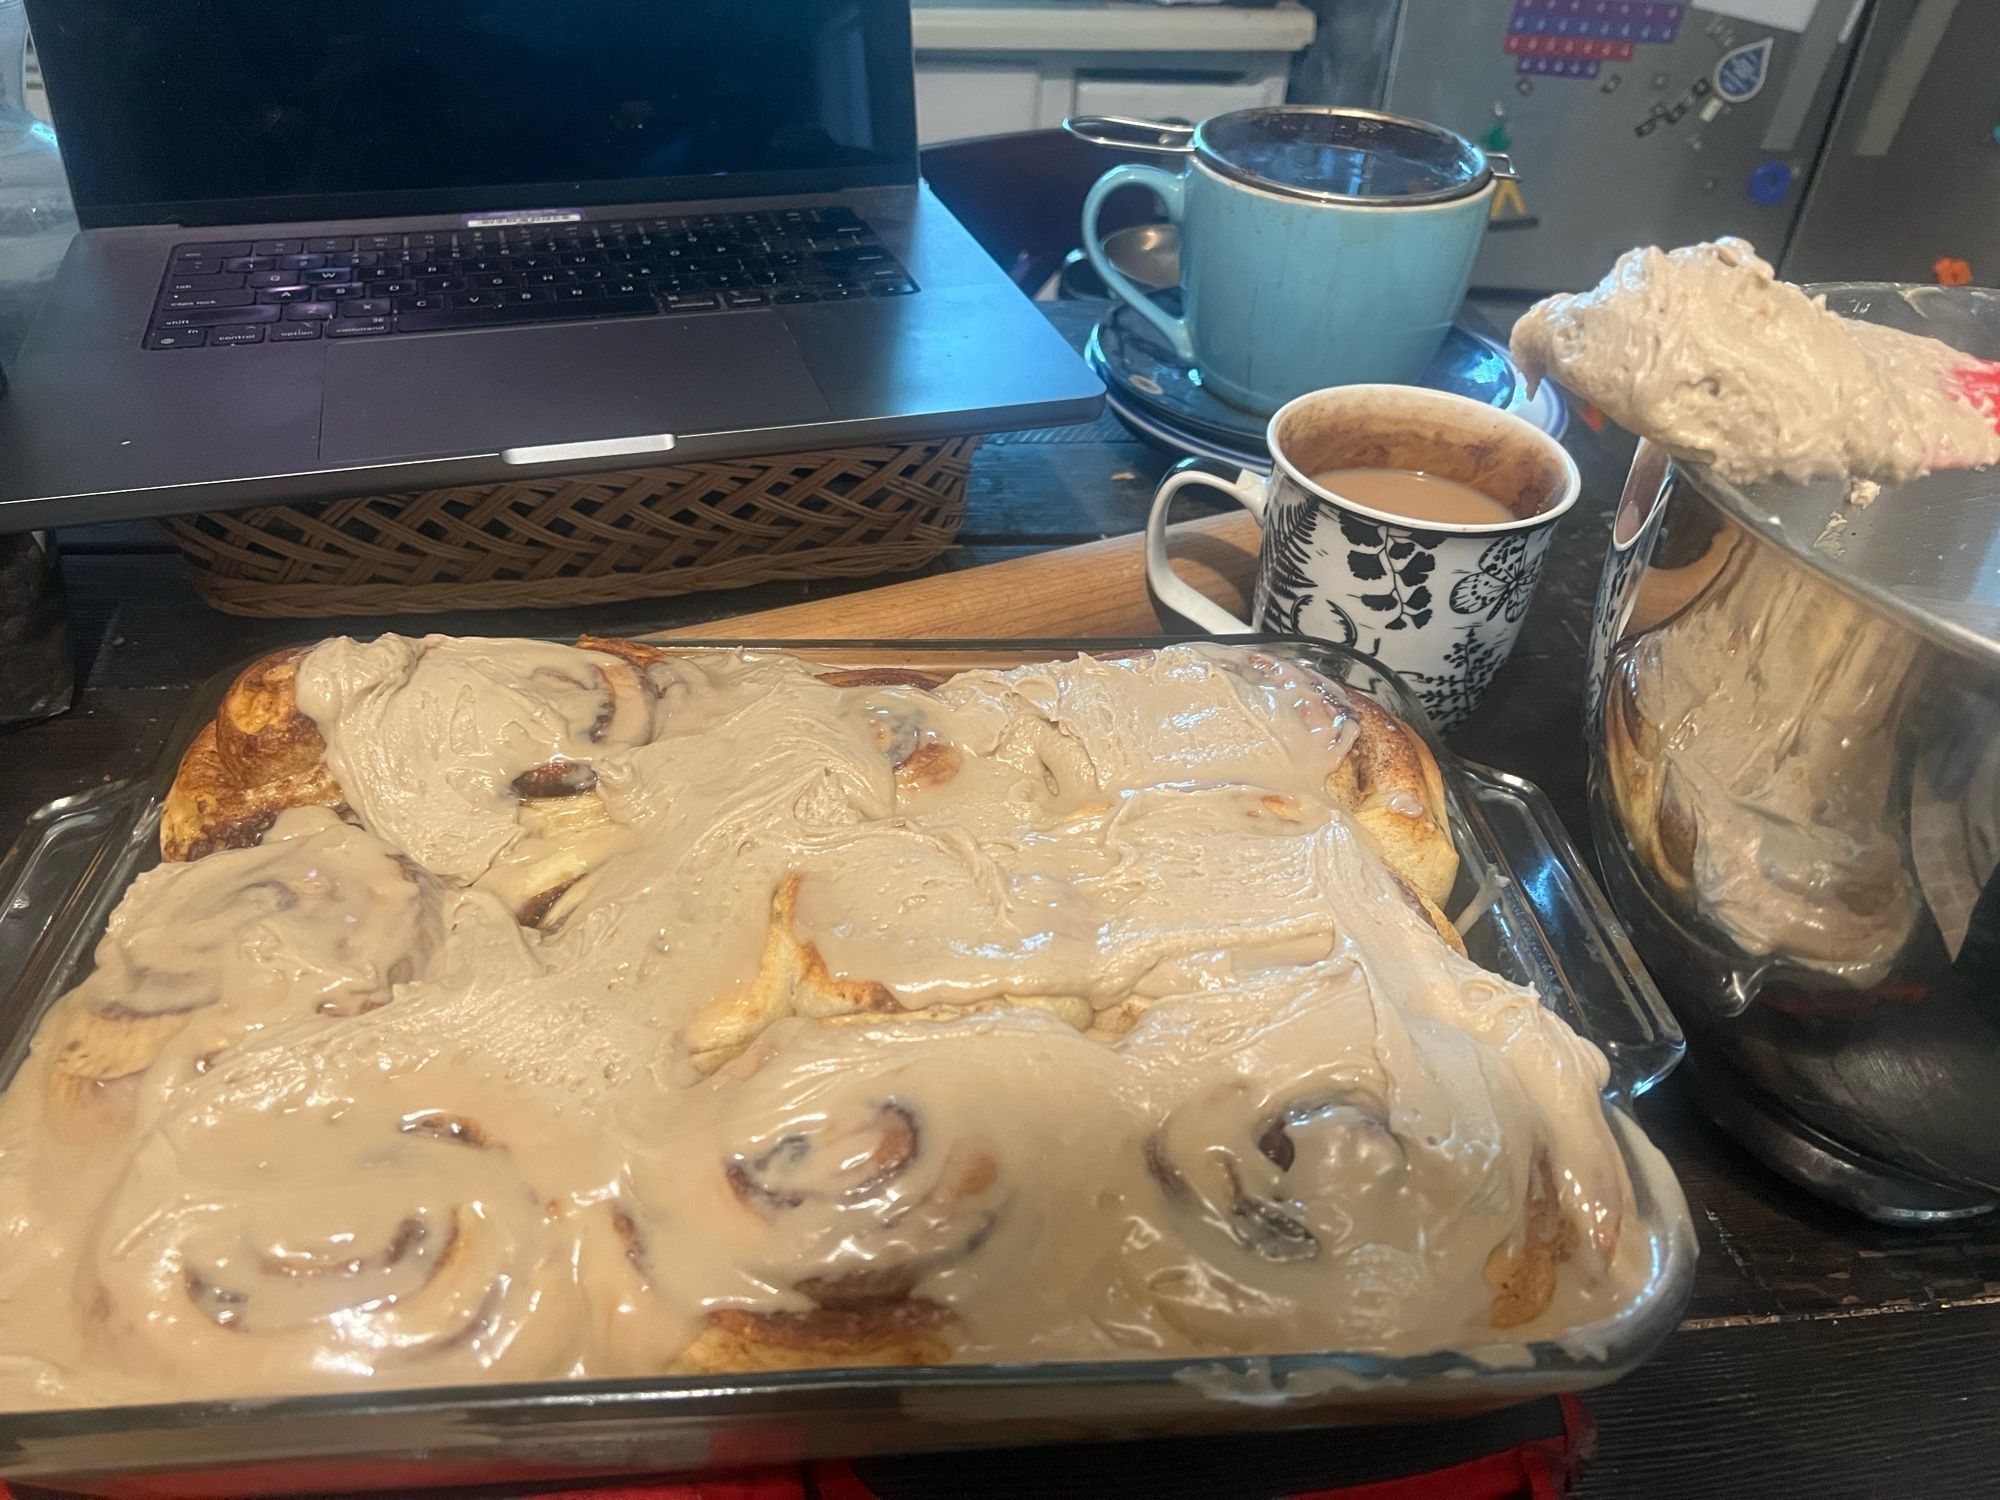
[1438, 602]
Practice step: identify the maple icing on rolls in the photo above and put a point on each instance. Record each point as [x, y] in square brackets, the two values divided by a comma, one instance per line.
[333, 1239]
[716, 1012]
[319, 920]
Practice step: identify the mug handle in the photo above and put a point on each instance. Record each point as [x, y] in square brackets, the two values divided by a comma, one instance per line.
[1167, 187]
[1247, 489]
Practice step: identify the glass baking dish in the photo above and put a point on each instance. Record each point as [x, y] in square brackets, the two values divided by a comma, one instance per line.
[1527, 908]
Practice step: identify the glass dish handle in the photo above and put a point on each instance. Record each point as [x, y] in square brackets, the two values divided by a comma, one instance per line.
[65, 855]
[1623, 1011]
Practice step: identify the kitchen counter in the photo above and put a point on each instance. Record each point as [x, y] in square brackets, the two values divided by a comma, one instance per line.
[1821, 1356]
[1107, 25]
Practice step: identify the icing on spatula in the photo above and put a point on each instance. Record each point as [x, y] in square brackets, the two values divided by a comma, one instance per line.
[1707, 353]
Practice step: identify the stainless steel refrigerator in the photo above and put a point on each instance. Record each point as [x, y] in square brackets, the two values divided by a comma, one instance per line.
[1908, 186]
[1632, 122]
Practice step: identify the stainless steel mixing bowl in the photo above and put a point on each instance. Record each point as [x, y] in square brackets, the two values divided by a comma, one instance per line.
[1794, 727]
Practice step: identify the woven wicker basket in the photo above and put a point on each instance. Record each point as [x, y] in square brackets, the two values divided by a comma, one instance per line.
[589, 539]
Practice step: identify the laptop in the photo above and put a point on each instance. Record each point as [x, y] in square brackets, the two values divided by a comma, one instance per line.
[391, 244]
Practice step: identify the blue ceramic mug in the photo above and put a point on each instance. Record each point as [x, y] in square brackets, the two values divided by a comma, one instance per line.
[1319, 247]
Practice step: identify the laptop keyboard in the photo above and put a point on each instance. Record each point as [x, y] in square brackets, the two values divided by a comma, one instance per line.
[217, 294]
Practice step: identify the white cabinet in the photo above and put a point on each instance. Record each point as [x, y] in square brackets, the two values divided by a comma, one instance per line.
[986, 69]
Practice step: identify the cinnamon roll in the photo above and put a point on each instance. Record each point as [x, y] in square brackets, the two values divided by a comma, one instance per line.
[840, 1193]
[1339, 1175]
[479, 759]
[256, 758]
[318, 920]
[274, 1252]
[874, 1211]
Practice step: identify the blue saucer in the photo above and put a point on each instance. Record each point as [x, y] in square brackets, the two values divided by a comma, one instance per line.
[1164, 400]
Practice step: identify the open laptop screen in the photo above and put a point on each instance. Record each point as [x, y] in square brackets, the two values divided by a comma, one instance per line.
[220, 111]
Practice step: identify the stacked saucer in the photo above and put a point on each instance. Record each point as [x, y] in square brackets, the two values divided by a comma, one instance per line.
[1162, 398]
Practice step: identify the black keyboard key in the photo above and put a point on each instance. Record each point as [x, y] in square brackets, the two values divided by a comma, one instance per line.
[245, 263]
[379, 242]
[594, 307]
[525, 297]
[582, 258]
[476, 299]
[293, 333]
[744, 297]
[240, 333]
[693, 302]
[577, 293]
[348, 328]
[443, 284]
[370, 260]
[322, 275]
[336, 293]
[841, 293]
[492, 281]
[366, 307]
[900, 286]
[625, 288]
[428, 238]
[545, 278]
[392, 288]
[541, 262]
[423, 302]
[178, 338]
[222, 281]
[284, 294]
[188, 301]
[432, 320]
[209, 267]
[207, 317]
[329, 246]
[317, 312]
[212, 251]
[272, 278]
[299, 262]
[793, 299]
[277, 247]
[433, 266]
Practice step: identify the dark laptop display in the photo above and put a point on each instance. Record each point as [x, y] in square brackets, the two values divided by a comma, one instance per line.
[227, 111]
[372, 245]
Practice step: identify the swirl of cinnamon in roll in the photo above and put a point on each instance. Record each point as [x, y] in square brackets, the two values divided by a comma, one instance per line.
[318, 920]
[1340, 1176]
[265, 1252]
[479, 758]
[438, 741]
[838, 1192]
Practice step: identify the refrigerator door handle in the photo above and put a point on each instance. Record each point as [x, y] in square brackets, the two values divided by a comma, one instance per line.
[1903, 76]
[1824, 33]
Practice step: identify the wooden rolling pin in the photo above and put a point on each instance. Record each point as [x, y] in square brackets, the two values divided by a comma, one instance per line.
[1093, 591]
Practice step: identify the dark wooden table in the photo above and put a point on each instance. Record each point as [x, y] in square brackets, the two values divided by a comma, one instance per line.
[1821, 1357]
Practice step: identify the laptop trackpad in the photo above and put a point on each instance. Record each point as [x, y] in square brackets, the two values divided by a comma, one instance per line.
[436, 395]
